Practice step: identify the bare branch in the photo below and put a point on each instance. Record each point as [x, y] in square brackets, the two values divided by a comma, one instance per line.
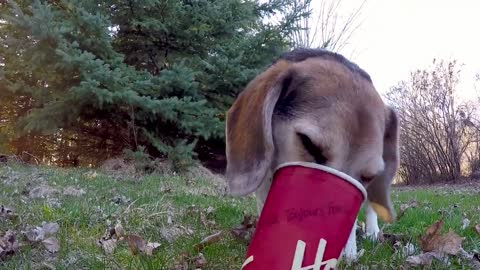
[325, 27]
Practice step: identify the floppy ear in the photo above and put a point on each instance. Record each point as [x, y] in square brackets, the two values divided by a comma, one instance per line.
[249, 138]
[379, 190]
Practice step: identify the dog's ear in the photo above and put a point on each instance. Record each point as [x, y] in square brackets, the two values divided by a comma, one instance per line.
[379, 190]
[249, 138]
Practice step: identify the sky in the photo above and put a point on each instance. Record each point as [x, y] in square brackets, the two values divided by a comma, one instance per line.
[399, 36]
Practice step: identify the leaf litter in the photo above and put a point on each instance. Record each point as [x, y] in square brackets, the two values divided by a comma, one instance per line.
[200, 261]
[436, 245]
[211, 239]
[449, 243]
[44, 234]
[170, 234]
[465, 223]
[245, 230]
[72, 191]
[135, 242]
[405, 206]
[242, 232]
[51, 244]
[8, 244]
[109, 240]
[42, 191]
[7, 213]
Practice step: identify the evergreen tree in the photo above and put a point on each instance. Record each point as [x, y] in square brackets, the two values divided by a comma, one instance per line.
[159, 73]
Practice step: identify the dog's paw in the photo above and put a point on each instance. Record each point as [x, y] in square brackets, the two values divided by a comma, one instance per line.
[350, 252]
[372, 231]
[350, 255]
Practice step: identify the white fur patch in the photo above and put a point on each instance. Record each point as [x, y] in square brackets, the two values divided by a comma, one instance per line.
[372, 228]
[350, 250]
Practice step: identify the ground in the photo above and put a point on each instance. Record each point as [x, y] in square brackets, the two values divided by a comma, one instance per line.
[177, 212]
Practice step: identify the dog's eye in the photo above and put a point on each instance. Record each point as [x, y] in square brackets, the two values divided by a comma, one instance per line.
[312, 149]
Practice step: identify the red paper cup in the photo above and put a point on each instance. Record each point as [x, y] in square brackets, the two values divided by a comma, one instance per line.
[306, 220]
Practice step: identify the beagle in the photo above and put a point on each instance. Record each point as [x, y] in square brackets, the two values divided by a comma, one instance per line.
[313, 105]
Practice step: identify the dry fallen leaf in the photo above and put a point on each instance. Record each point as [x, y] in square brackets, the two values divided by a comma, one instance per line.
[209, 240]
[182, 262]
[405, 206]
[189, 261]
[51, 244]
[150, 247]
[410, 204]
[392, 239]
[433, 240]
[136, 243]
[246, 229]
[166, 190]
[423, 259]
[119, 230]
[477, 228]
[42, 191]
[200, 261]
[209, 210]
[108, 245]
[108, 241]
[121, 199]
[205, 221]
[7, 213]
[465, 223]
[409, 249]
[170, 234]
[38, 234]
[8, 244]
[471, 259]
[476, 260]
[71, 191]
[50, 228]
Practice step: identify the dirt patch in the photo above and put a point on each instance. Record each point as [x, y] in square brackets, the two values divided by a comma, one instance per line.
[122, 167]
[72, 191]
[200, 172]
[170, 234]
[118, 167]
[471, 186]
[42, 191]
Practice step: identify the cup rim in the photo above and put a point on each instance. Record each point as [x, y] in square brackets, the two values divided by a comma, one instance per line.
[327, 169]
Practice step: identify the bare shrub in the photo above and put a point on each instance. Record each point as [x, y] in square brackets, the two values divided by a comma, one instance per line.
[437, 130]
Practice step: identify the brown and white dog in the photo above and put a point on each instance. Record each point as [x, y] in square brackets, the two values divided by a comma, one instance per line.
[315, 106]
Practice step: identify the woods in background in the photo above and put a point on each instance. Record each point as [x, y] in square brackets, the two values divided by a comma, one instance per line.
[82, 81]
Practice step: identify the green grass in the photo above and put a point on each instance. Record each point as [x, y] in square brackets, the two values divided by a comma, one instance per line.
[157, 203]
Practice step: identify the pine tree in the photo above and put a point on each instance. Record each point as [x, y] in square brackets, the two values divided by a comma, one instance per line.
[154, 73]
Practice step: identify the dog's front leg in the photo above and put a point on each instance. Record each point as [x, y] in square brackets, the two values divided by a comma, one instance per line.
[372, 228]
[350, 250]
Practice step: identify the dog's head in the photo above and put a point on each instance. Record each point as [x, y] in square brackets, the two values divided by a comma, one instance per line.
[314, 106]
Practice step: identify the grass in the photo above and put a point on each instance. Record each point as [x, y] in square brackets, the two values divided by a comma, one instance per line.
[154, 205]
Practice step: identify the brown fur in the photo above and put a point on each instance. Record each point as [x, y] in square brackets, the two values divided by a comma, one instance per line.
[246, 137]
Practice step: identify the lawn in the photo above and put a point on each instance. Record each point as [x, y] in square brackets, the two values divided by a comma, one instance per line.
[177, 212]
